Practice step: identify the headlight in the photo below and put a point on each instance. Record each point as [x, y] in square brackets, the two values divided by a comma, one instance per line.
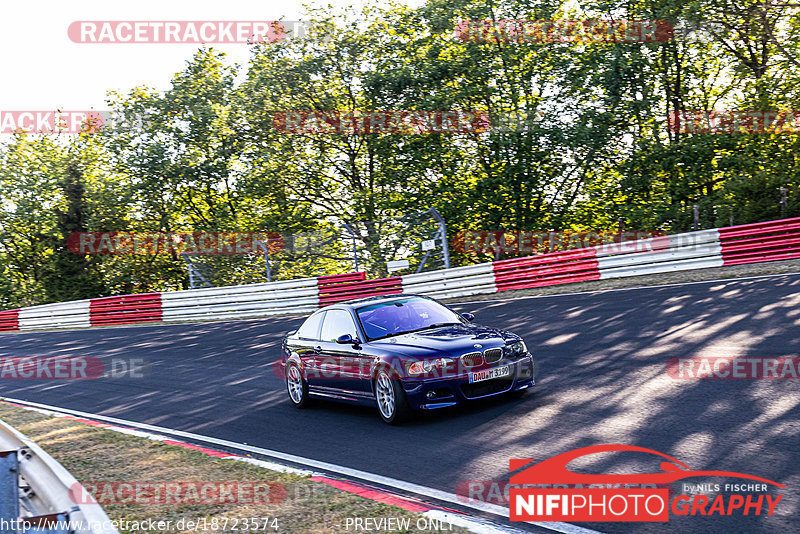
[430, 365]
[517, 348]
[426, 366]
[415, 369]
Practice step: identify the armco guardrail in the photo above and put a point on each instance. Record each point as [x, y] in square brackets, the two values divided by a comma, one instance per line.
[73, 314]
[735, 245]
[340, 287]
[769, 241]
[694, 250]
[126, 309]
[9, 320]
[235, 302]
[48, 502]
[453, 283]
[545, 270]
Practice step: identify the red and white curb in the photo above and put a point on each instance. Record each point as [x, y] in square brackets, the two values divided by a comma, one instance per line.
[444, 515]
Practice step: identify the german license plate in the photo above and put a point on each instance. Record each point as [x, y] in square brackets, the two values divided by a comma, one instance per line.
[488, 374]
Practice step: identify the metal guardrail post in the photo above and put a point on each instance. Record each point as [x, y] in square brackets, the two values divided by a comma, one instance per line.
[45, 499]
[46, 524]
[9, 491]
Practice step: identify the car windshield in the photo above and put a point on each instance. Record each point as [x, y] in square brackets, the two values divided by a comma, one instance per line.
[403, 316]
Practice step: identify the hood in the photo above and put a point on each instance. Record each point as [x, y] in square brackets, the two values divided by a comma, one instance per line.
[450, 340]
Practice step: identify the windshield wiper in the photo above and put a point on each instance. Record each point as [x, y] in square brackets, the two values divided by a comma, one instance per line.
[437, 325]
[384, 336]
[434, 325]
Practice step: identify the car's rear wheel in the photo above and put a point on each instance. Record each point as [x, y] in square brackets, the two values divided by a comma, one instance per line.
[392, 402]
[296, 386]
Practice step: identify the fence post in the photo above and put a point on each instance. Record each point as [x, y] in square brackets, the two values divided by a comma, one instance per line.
[443, 237]
[194, 273]
[696, 210]
[263, 246]
[783, 202]
[355, 251]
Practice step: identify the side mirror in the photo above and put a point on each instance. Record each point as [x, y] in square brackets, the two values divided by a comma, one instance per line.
[345, 339]
[468, 316]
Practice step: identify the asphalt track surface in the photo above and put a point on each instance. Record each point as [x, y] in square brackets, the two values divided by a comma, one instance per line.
[601, 379]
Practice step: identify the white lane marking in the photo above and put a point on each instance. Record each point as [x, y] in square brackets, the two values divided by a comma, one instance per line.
[721, 280]
[473, 524]
[272, 466]
[494, 509]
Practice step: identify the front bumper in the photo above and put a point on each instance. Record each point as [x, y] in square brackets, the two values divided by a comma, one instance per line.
[433, 393]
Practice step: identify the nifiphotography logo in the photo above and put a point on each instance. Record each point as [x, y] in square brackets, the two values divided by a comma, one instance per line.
[605, 504]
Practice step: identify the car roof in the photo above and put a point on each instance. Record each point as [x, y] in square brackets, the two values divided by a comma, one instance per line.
[376, 300]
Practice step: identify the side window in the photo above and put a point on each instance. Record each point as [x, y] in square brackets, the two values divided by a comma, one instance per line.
[310, 328]
[337, 323]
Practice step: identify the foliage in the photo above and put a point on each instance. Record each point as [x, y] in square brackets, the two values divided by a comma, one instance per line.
[580, 141]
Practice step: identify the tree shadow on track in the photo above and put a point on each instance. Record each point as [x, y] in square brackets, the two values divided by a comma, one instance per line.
[602, 360]
[601, 378]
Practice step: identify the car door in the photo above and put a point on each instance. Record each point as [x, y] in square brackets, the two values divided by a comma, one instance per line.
[307, 346]
[343, 364]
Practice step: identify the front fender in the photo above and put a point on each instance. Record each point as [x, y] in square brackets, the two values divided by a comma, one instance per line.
[395, 363]
[295, 359]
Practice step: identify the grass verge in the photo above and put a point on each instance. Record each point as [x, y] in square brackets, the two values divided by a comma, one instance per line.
[100, 455]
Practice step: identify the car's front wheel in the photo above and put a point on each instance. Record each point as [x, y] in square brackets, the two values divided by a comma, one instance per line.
[296, 386]
[392, 402]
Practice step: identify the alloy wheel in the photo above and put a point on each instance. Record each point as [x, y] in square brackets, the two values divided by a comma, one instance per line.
[385, 395]
[294, 383]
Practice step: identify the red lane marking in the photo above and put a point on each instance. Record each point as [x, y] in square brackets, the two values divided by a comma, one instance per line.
[14, 404]
[373, 495]
[87, 421]
[78, 419]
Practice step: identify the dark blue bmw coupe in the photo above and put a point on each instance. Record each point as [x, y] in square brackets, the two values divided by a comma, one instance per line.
[405, 353]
